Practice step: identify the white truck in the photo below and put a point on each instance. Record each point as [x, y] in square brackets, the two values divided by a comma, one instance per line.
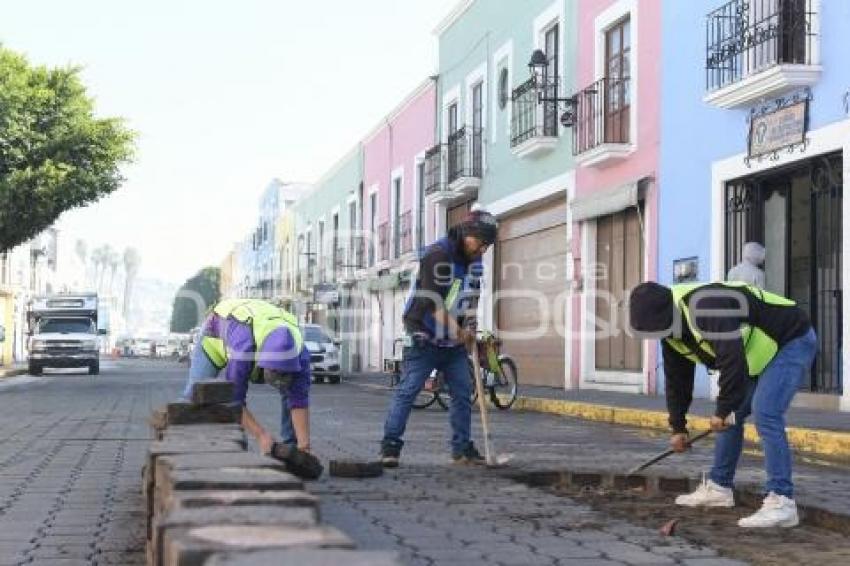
[64, 332]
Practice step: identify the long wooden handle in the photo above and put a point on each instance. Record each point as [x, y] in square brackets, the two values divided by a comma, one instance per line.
[482, 405]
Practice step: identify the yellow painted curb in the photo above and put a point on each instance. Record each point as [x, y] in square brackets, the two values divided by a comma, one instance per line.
[826, 443]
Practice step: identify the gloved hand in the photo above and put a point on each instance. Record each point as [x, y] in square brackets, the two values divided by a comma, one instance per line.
[298, 463]
[679, 442]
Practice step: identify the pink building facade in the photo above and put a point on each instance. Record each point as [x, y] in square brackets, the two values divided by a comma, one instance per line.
[613, 213]
[395, 217]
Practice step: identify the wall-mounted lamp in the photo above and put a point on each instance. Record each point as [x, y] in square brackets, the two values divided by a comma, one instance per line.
[685, 269]
[538, 68]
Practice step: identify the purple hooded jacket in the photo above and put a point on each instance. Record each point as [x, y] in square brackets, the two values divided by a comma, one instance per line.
[242, 355]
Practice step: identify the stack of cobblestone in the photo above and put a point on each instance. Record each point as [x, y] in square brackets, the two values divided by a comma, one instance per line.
[211, 501]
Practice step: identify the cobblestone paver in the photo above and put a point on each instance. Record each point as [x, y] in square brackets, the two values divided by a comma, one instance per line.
[436, 513]
[73, 447]
[70, 456]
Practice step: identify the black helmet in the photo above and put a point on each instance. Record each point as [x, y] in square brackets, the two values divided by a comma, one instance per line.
[481, 224]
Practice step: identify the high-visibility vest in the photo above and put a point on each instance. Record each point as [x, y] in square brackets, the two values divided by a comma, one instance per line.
[759, 347]
[262, 317]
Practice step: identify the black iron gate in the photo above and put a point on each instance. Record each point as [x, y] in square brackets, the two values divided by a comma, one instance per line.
[745, 222]
[827, 189]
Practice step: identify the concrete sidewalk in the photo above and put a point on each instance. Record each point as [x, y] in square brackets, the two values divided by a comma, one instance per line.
[824, 434]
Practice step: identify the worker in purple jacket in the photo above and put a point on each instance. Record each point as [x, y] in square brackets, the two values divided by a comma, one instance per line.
[245, 337]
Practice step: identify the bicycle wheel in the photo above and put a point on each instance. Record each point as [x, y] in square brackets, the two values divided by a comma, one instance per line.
[505, 384]
[426, 398]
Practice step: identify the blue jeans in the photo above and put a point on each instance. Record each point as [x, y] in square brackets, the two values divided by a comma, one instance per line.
[419, 361]
[202, 368]
[768, 398]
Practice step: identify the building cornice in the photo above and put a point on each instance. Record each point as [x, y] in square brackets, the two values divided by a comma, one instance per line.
[460, 8]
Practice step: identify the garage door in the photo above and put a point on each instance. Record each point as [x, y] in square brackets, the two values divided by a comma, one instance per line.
[531, 262]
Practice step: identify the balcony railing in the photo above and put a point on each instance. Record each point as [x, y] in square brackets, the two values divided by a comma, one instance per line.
[384, 242]
[602, 114]
[529, 119]
[464, 154]
[405, 233]
[433, 174]
[744, 37]
[339, 268]
[357, 252]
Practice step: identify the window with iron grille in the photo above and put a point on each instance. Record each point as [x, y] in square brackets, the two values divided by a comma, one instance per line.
[352, 231]
[477, 144]
[744, 37]
[453, 154]
[617, 67]
[373, 225]
[420, 205]
[433, 172]
[524, 115]
[551, 79]
[335, 250]
[395, 217]
[320, 243]
[384, 241]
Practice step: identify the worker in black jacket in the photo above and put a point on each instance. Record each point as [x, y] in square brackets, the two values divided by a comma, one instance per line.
[763, 345]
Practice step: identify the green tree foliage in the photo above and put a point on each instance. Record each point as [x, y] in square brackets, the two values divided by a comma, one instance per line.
[197, 294]
[55, 155]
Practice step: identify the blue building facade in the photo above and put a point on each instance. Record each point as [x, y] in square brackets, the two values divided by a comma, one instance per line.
[754, 135]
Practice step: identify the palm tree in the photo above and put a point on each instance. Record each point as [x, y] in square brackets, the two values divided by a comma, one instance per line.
[82, 252]
[97, 259]
[113, 261]
[131, 268]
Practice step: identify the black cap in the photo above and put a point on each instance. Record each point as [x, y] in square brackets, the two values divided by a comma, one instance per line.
[481, 224]
[651, 307]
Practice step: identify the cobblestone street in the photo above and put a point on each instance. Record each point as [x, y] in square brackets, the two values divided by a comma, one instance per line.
[73, 447]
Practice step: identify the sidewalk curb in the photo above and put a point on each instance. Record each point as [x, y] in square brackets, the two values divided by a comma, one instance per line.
[824, 443]
[4, 373]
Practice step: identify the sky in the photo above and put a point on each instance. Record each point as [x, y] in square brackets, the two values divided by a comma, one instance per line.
[224, 96]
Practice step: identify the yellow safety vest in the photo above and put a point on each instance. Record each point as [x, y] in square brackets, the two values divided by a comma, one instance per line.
[759, 347]
[263, 318]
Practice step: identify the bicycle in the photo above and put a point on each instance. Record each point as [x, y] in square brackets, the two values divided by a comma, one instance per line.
[499, 377]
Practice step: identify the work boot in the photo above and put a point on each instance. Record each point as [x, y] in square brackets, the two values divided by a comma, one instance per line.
[390, 455]
[776, 511]
[469, 456]
[708, 494]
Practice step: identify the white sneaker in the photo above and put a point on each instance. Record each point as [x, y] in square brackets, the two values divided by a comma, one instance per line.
[708, 494]
[776, 511]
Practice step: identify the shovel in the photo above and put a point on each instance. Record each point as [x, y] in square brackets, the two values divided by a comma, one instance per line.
[666, 453]
[490, 459]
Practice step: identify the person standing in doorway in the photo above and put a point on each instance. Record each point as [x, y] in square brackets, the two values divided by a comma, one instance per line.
[749, 270]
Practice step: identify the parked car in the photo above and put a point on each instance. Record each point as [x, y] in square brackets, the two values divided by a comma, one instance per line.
[324, 354]
[142, 348]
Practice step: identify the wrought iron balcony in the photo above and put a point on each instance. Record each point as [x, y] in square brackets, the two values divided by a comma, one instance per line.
[762, 47]
[602, 121]
[464, 157]
[433, 170]
[384, 242]
[405, 233]
[357, 252]
[534, 126]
